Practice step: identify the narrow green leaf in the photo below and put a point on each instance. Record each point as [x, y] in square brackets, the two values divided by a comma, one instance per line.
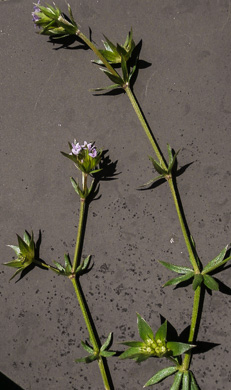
[16, 273]
[113, 86]
[170, 156]
[186, 381]
[179, 279]
[144, 329]
[211, 283]
[120, 49]
[176, 268]
[75, 185]
[15, 248]
[26, 238]
[179, 348]
[14, 263]
[157, 166]
[71, 14]
[124, 69]
[86, 262]
[161, 334]
[134, 344]
[110, 56]
[194, 385]
[177, 381]
[22, 245]
[132, 72]
[107, 342]
[87, 347]
[67, 263]
[131, 353]
[112, 77]
[213, 264]
[160, 375]
[107, 353]
[110, 44]
[59, 266]
[198, 279]
[170, 167]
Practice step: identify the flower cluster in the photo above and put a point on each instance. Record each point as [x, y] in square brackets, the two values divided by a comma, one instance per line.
[53, 21]
[86, 156]
[77, 149]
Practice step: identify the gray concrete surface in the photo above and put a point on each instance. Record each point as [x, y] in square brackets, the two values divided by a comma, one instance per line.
[45, 102]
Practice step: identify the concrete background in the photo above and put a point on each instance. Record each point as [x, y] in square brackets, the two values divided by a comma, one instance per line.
[45, 102]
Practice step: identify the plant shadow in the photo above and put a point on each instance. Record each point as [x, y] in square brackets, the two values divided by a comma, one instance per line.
[8, 384]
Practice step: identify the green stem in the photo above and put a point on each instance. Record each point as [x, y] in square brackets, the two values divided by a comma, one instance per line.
[91, 333]
[97, 52]
[193, 327]
[79, 239]
[183, 227]
[144, 125]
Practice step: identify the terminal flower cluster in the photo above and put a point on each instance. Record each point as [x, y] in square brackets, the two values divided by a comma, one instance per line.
[78, 149]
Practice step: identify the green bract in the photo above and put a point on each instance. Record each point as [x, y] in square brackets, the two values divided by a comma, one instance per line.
[152, 345]
[54, 23]
[25, 252]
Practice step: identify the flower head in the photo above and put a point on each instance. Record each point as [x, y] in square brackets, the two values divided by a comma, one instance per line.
[52, 21]
[85, 156]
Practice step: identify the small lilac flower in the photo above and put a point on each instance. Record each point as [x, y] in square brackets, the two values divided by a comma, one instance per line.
[76, 148]
[35, 17]
[92, 152]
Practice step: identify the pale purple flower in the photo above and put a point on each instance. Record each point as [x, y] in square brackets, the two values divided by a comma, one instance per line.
[76, 148]
[35, 17]
[92, 152]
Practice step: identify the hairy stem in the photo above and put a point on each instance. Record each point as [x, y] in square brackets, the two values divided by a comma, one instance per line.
[92, 335]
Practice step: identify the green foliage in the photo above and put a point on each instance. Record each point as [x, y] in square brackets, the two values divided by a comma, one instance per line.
[95, 354]
[25, 252]
[164, 173]
[53, 22]
[152, 346]
[159, 376]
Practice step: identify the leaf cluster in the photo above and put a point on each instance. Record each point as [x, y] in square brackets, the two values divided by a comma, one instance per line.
[25, 252]
[164, 173]
[95, 354]
[198, 278]
[118, 54]
[66, 270]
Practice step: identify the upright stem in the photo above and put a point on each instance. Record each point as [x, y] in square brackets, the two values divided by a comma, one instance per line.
[91, 333]
[183, 227]
[79, 239]
[144, 125]
[193, 327]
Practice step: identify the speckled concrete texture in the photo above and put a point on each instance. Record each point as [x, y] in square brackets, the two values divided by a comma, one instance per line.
[44, 103]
